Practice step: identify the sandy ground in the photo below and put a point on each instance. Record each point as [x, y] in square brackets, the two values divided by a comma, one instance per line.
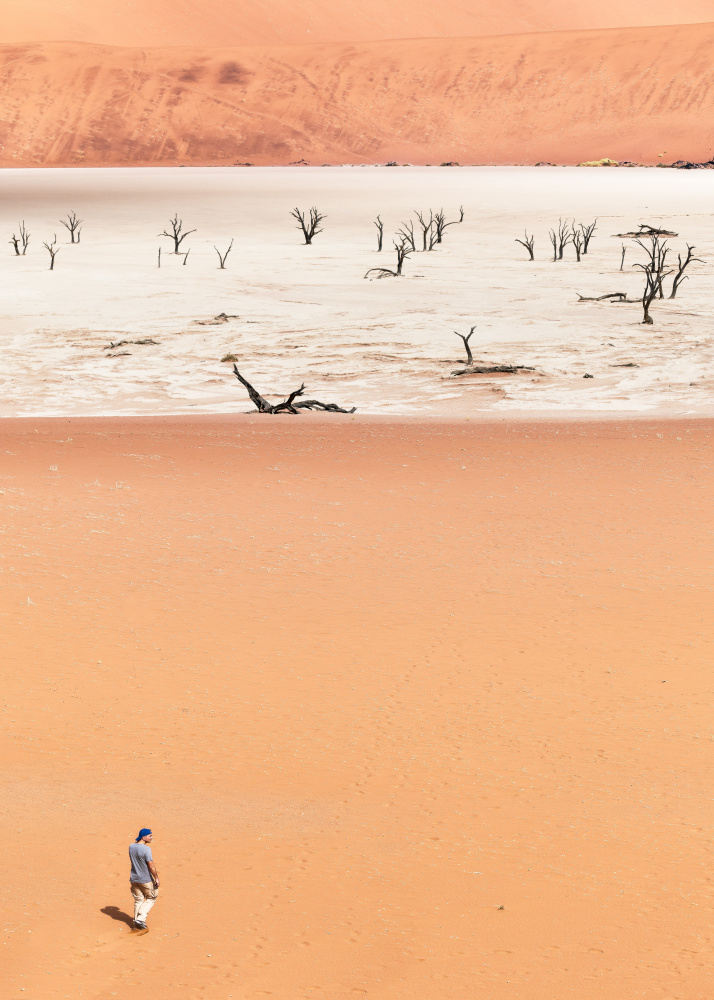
[290, 22]
[308, 314]
[563, 97]
[415, 710]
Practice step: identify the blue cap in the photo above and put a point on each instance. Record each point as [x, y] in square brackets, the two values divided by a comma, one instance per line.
[142, 833]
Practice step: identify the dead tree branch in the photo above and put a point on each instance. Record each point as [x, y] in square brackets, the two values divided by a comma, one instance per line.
[222, 257]
[657, 253]
[380, 234]
[466, 338]
[73, 225]
[426, 227]
[53, 250]
[528, 242]
[493, 370]
[20, 241]
[177, 234]
[587, 233]
[682, 265]
[441, 225]
[308, 223]
[406, 232]
[288, 405]
[578, 241]
[653, 285]
[622, 257]
[615, 296]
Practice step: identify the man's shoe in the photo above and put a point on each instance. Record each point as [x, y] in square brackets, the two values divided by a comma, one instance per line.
[140, 924]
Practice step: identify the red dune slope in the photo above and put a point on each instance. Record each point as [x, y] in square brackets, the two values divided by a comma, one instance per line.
[627, 94]
[292, 22]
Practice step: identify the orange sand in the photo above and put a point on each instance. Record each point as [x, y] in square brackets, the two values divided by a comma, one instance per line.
[415, 710]
[291, 22]
[564, 97]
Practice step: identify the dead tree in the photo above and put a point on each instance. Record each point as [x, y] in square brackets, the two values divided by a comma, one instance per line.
[560, 238]
[159, 257]
[587, 233]
[53, 250]
[461, 213]
[380, 234]
[528, 243]
[622, 258]
[610, 296]
[20, 241]
[653, 285]
[309, 224]
[682, 265]
[177, 234]
[406, 234]
[657, 253]
[426, 227]
[466, 338]
[288, 405]
[578, 241]
[404, 250]
[222, 257]
[441, 225]
[73, 225]
[185, 257]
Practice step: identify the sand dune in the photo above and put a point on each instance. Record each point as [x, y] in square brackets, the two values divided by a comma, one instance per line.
[292, 22]
[390, 694]
[566, 97]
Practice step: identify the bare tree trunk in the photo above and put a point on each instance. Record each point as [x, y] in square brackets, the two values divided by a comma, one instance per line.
[380, 234]
[53, 250]
[308, 224]
[288, 405]
[622, 258]
[222, 257]
[466, 338]
[528, 243]
[680, 276]
[72, 224]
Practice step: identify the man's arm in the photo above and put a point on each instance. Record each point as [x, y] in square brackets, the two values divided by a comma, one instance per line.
[154, 873]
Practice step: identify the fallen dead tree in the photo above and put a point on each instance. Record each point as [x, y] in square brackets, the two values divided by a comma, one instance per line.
[215, 321]
[493, 370]
[123, 343]
[612, 296]
[288, 405]
[645, 231]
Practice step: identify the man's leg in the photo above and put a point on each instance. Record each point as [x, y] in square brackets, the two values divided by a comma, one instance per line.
[149, 893]
[136, 891]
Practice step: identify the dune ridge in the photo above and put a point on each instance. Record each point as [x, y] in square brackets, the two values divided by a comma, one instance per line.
[630, 94]
[292, 22]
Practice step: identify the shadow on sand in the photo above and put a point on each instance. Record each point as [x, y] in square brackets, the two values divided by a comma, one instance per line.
[116, 914]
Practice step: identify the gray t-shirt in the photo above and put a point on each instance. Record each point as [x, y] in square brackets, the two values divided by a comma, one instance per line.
[140, 855]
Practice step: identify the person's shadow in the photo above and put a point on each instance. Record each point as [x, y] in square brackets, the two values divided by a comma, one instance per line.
[116, 914]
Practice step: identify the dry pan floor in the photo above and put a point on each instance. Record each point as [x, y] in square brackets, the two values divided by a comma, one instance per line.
[415, 711]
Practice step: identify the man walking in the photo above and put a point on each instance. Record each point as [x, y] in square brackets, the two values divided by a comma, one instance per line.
[144, 877]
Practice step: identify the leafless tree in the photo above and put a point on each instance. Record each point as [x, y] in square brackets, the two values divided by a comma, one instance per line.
[20, 241]
[404, 250]
[222, 257]
[159, 257]
[657, 258]
[288, 405]
[587, 233]
[654, 277]
[560, 238]
[441, 225]
[73, 225]
[177, 234]
[380, 234]
[682, 265]
[185, 257]
[461, 213]
[578, 241]
[309, 223]
[53, 250]
[528, 243]
[466, 338]
[426, 226]
[406, 235]
[622, 257]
